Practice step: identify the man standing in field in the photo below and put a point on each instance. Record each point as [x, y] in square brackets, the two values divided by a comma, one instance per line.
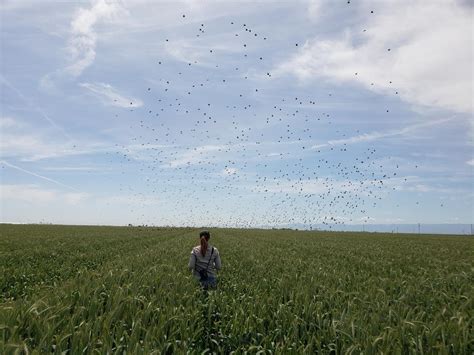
[205, 261]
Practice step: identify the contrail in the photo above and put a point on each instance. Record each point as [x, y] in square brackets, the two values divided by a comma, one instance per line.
[36, 107]
[368, 137]
[37, 175]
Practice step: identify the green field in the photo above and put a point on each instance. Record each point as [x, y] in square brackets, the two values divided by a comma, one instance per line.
[117, 289]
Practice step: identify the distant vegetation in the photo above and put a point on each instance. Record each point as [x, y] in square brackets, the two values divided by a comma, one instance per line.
[116, 289]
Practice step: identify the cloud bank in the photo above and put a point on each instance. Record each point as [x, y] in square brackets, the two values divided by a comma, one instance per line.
[418, 50]
[32, 193]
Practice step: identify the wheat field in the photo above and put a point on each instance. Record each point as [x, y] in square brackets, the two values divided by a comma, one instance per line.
[96, 290]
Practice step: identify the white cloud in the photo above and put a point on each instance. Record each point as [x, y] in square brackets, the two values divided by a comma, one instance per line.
[314, 9]
[313, 186]
[13, 144]
[110, 96]
[22, 141]
[140, 200]
[229, 171]
[25, 143]
[33, 147]
[185, 51]
[470, 162]
[8, 122]
[16, 5]
[34, 194]
[73, 198]
[83, 40]
[429, 62]
[365, 219]
[28, 193]
[195, 155]
[419, 184]
[74, 168]
[358, 187]
[148, 16]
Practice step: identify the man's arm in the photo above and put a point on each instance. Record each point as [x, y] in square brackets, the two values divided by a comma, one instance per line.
[192, 261]
[217, 261]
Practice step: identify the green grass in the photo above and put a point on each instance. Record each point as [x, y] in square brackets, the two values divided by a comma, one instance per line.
[116, 289]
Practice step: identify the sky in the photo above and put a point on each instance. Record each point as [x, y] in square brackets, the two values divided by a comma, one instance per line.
[245, 114]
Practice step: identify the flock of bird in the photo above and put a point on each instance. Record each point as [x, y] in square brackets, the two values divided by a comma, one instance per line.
[218, 147]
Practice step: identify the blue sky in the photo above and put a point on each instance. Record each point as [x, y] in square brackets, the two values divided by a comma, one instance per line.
[237, 113]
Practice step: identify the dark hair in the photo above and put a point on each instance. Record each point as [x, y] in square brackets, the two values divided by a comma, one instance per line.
[205, 234]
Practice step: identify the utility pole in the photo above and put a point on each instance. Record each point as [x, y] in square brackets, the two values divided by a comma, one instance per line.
[419, 228]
